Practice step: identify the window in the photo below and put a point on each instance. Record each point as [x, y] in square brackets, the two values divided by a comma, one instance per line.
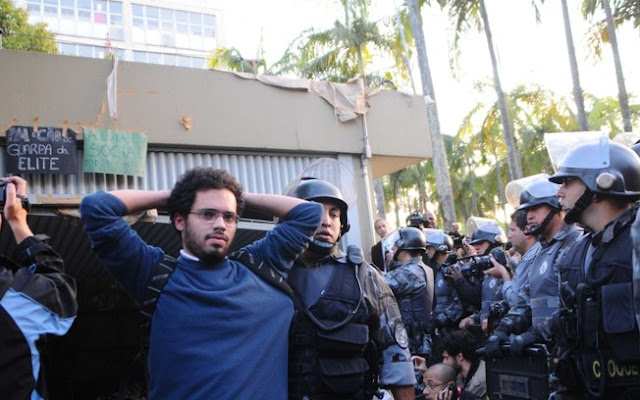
[51, 8]
[68, 49]
[166, 20]
[84, 10]
[195, 23]
[154, 58]
[153, 14]
[100, 11]
[67, 8]
[138, 15]
[209, 22]
[34, 7]
[182, 22]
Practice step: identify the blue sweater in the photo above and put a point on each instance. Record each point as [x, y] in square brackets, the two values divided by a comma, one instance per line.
[219, 331]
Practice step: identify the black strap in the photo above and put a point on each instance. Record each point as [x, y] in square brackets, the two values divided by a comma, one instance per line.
[152, 291]
[263, 271]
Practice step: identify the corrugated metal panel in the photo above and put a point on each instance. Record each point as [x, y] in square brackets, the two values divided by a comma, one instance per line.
[258, 173]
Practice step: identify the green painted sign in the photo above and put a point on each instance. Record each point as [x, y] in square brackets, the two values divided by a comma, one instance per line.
[112, 152]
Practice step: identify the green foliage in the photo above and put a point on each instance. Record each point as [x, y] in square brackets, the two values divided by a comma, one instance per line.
[18, 34]
[477, 154]
[231, 59]
[622, 11]
[341, 52]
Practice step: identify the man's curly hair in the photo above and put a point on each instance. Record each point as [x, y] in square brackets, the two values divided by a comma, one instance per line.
[460, 341]
[183, 194]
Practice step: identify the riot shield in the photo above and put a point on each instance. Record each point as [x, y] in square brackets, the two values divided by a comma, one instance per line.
[514, 188]
[387, 243]
[559, 143]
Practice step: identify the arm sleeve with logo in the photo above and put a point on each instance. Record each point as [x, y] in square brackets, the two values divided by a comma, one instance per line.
[397, 368]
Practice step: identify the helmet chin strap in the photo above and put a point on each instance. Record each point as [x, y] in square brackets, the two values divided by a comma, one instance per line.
[537, 231]
[573, 214]
[321, 247]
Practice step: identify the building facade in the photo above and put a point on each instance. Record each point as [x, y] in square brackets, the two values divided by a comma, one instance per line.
[177, 33]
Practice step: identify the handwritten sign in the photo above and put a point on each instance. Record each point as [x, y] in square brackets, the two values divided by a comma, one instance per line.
[43, 151]
[112, 152]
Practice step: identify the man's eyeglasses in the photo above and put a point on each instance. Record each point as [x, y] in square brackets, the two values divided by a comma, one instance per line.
[432, 385]
[211, 215]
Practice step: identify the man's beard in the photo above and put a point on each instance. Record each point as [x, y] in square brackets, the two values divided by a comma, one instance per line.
[208, 255]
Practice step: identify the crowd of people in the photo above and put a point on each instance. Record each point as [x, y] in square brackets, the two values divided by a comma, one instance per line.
[562, 293]
[427, 314]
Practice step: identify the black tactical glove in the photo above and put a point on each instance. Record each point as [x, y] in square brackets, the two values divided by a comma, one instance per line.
[494, 341]
[522, 341]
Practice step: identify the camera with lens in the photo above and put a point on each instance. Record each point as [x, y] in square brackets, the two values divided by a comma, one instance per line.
[475, 265]
[3, 190]
[3, 196]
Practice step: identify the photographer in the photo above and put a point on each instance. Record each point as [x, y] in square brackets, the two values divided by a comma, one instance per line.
[476, 290]
[447, 309]
[36, 298]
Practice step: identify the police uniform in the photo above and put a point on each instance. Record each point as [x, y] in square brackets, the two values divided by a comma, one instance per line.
[538, 299]
[412, 285]
[345, 332]
[608, 346]
[595, 324]
[347, 337]
[447, 311]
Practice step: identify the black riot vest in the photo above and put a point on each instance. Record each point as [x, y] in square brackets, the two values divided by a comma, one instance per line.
[607, 354]
[331, 352]
[415, 309]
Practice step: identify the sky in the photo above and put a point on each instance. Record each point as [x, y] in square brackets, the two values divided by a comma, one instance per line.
[527, 51]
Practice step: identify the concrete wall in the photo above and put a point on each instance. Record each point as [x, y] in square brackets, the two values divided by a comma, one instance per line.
[224, 110]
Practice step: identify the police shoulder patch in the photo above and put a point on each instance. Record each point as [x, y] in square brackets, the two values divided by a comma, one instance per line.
[401, 336]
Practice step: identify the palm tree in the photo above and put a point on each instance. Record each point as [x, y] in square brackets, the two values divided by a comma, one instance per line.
[230, 59]
[440, 163]
[467, 13]
[575, 75]
[588, 9]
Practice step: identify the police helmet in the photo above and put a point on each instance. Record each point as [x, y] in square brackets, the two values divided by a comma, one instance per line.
[414, 220]
[313, 189]
[605, 168]
[439, 240]
[411, 238]
[488, 233]
[636, 148]
[542, 192]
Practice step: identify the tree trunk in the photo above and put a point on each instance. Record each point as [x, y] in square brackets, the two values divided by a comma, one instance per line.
[378, 189]
[440, 163]
[515, 167]
[622, 90]
[472, 189]
[405, 50]
[394, 184]
[575, 75]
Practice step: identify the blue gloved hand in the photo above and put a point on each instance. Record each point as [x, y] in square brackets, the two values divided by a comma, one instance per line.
[521, 342]
[492, 348]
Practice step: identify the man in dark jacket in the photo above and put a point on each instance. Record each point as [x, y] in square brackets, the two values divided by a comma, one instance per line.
[36, 298]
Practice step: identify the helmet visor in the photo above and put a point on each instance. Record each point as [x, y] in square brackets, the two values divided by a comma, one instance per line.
[560, 144]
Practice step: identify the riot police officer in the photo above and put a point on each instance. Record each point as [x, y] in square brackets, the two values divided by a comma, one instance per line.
[478, 292]
[412, 283]
[447, 309]
[596, 328]
[527, 321]
[347, 335]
